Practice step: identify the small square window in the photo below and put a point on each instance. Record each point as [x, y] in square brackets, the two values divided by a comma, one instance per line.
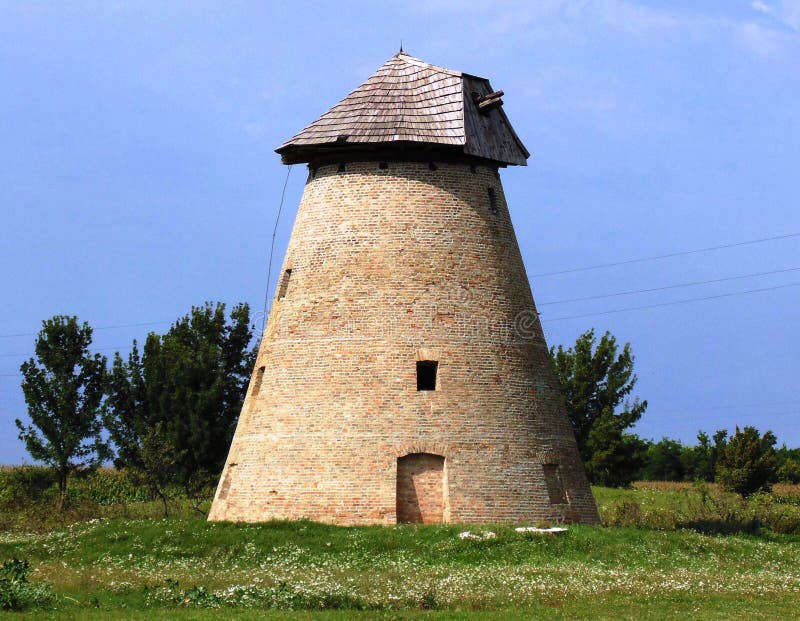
[426, 374]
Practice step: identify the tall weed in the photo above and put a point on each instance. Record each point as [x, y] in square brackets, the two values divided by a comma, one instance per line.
[702, 507]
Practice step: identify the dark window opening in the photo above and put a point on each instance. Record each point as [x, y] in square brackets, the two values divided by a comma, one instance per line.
[473, 169]
[341, 168]
[226, 483]
[312, 171]
[284, 284]
[383, 165]
[432, 166]
[426, 374]
[257, 381]
[493, 206]
[555, 487]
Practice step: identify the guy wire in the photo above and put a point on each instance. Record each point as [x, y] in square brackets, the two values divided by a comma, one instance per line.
[272, 248]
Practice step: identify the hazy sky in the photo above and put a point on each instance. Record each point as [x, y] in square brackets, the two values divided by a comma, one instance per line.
[137, 172]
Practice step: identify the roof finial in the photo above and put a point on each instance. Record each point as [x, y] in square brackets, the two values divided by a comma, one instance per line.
[401, 47]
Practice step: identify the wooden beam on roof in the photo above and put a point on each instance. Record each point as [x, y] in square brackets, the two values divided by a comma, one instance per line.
[487, 102]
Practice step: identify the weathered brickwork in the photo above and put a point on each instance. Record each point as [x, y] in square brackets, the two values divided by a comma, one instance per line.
[391, 265]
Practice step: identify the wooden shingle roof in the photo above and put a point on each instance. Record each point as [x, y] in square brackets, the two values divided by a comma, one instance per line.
[408, 103]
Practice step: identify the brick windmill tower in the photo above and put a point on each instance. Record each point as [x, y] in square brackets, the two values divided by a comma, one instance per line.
[403, 374]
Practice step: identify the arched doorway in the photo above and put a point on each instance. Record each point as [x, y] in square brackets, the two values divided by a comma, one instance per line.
[421, 489]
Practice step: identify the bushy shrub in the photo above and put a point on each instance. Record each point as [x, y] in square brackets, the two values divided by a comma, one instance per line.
[747, 464]
[109, 487]
[775, 514]
[789, 472]
[626, 513]
[25, 483]
[28, 496]
[16, 593]
[702, 507]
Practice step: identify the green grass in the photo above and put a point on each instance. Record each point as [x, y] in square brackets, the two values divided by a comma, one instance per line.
[187, 568]
[618, 607]
[131, 568]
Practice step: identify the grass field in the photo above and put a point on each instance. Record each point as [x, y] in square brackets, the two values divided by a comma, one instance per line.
[656, 560]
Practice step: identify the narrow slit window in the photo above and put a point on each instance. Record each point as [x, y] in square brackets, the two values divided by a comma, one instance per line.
[257, 381]
[493, 206]
[555, 487]
[226, 483]
[284, 284]
[426, 374]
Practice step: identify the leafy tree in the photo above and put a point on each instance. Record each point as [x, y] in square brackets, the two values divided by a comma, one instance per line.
[700, 461]
[125, 412]
[192, 381]
[616, 457]
[664, 461]
[788, 464]
[159, 463]
[747, 464]
[789, 471]
[596, 378]
[63, 390]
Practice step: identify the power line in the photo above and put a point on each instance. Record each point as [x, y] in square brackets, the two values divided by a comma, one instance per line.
[126, 325]
[540, 275]
[674, 302]
[608, 312]
[120, 348]
[725, 407]
[665, 288]
[740, 415]
[664, 256]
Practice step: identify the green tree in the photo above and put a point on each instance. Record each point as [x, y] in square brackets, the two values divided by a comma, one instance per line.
[788, 464]
[596, 379]
[616, 457]
[700, 461]
[159, 463]
[63, 390]
[125, 412]
[192, 381]
[789, 471]
[747, 463]
[664, 461]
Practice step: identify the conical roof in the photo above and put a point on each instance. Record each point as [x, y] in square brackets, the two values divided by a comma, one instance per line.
[409, 105]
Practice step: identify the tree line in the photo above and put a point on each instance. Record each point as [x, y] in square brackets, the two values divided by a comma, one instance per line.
[597, 380]
[167, 414]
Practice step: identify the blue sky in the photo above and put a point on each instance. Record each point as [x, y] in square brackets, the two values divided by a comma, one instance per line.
[137, 176]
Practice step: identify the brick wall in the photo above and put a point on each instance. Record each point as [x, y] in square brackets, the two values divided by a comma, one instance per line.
[390, 267]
